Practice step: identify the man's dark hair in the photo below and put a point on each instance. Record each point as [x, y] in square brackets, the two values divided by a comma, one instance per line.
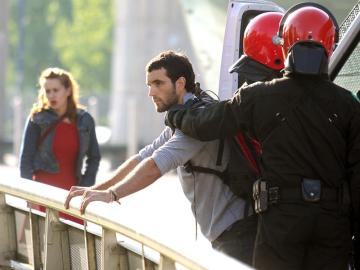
[176, 65]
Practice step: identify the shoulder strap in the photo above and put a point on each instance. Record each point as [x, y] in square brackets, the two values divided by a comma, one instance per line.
[220, 152]
[49, 129]
[190, 168]
[202, 99]
[249, 151]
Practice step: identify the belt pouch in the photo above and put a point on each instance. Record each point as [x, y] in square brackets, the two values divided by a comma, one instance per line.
[311, 190]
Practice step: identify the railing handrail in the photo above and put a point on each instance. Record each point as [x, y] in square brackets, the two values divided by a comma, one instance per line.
[53, 197]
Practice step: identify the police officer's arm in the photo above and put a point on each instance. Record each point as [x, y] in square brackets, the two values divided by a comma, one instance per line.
[216, 120]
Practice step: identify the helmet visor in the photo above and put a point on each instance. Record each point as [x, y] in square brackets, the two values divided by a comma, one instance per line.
[253, 71]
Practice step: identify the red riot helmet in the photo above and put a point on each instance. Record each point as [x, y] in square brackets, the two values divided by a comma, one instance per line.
[257, 42]
[308, 23]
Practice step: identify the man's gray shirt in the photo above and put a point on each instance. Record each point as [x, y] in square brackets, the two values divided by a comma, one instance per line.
[216, 207]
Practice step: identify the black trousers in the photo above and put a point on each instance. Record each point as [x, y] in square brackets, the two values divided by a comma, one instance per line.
[238, 241]
[303, 236]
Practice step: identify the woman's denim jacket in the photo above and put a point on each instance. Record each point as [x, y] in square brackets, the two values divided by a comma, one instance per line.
[34, 157]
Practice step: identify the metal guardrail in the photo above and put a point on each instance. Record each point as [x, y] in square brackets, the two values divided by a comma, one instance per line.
[51, 243]
[349, 31]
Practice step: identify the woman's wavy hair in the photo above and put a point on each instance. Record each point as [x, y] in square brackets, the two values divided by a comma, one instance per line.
[68, 81]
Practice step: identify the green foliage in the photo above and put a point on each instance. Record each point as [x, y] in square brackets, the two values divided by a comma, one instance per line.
[85, 43]
[72, 34]
[35, 52]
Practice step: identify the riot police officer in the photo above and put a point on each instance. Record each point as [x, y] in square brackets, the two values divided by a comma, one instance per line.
[309, 131]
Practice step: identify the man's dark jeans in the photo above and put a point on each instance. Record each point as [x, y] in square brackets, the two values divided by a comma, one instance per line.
[238, 241]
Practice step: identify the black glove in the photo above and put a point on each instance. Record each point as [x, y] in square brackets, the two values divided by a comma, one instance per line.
[174, 116]
[168, 121]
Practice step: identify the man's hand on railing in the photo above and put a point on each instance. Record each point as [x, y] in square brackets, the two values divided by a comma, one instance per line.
[74, 192]
[95, 195]
[89, 195]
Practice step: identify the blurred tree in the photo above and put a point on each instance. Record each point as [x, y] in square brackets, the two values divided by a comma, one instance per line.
[84, 44]
[73, 34]
[38, 52]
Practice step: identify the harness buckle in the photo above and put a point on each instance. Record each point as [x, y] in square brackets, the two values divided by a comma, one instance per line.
[260, 195]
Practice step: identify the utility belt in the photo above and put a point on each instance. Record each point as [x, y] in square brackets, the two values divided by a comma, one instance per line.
[310, 190]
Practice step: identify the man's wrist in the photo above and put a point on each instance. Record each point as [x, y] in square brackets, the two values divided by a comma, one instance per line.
[114, 195]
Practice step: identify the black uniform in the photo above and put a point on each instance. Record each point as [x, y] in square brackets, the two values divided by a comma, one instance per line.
[309, 128]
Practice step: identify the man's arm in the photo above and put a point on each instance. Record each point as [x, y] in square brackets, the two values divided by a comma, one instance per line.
[119, 174]
[116, 177]
[214, 121]
[144, 174]
[175, 152]
[123, 171]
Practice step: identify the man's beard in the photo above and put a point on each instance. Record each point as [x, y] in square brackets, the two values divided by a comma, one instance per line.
[171, 100]
[164, 107]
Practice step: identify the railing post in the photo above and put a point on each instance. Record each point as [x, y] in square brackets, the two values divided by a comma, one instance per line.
[90, 248]
[35, 241]
[57, 248]
[149, 265]
[113, 256]
[166, 263]
[8, 235]
[146, 264]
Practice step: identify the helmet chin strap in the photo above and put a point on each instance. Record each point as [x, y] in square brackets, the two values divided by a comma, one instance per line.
[307, 58]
